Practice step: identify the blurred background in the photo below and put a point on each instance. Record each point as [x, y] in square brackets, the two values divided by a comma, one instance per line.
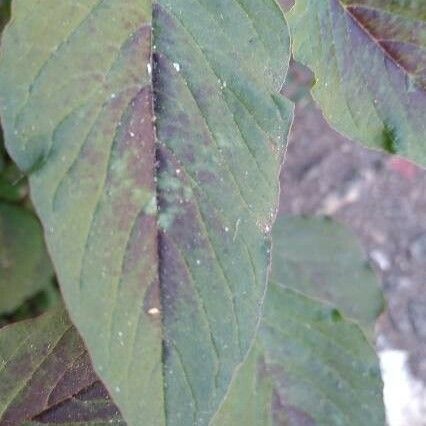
[382, 199]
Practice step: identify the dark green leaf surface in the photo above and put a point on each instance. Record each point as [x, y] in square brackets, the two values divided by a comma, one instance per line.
[9, 192]
[4, 13]
[369, 59]
[46, 376]
[13, 185]
[323, 260]
[25, 267]
[309, 367]
[160, 236]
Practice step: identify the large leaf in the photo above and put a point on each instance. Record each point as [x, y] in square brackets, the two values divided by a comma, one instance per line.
[25, 267]
[46, 376]
[169, 298]
[369, 59]
[309, 367]
[322, 259]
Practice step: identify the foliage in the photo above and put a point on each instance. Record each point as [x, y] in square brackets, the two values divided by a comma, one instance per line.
[88, 142]
[24, 264]
[323, 260]
[369, 62]
[50, 379]
[152, 135]
[308, 363]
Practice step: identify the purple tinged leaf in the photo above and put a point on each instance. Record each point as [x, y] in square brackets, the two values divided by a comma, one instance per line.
[159, 231]
[46, 375]
[369, 59]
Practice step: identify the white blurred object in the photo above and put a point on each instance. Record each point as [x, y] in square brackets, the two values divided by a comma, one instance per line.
[404, 395]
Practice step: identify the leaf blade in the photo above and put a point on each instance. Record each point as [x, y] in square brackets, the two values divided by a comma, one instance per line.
[309, 366]
[369, 62]
[25, 267]
[79, 121]
[219, 234]
[323, 260]
[45, 370]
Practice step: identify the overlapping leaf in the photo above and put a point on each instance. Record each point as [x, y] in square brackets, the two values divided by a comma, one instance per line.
[160, 237]
[310, 365]
[369, 59]
[46, 376]
[323, 260]
[25, 267]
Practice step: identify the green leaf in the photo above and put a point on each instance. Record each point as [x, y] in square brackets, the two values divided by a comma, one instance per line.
[4, 13]
[310, 366]
[323, 260]
[46, 299]
[13, 186]
[160, 235]
[369, 59]
[9, 192]
[46, 376]
[25, 267]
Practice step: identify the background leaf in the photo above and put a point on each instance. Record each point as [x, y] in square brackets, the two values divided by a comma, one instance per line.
[46, 376]
[25, 267]
[323, 260]
[4, 13]
[310, 366]
[78, 118]
[13, 185]
[369, 59]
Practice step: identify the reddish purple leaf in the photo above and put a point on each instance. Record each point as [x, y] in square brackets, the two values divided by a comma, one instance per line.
[46, 375]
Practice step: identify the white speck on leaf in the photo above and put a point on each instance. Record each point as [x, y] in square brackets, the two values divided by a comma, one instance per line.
[176, 66]
[153, 311]
[237, 225]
